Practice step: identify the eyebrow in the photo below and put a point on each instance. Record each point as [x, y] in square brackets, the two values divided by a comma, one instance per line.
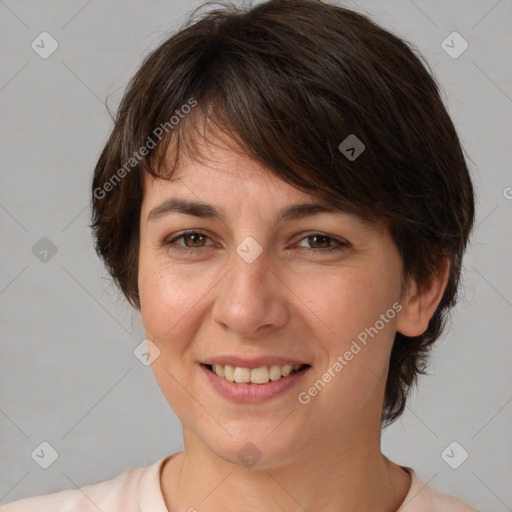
[198, 209]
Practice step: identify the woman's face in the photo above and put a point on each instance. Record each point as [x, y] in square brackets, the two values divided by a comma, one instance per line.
[254, 285]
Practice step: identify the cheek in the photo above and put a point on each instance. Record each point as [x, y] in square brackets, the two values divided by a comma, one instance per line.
[346, 301]
[166, 314]
[164, 300]
[173, 299]
[356, 322]
[158, 294]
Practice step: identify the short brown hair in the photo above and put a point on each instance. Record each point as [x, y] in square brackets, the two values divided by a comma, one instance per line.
[288, 81]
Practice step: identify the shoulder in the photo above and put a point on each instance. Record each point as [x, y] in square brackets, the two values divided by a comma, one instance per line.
[423, 498]
[120, 493]
[447, 503]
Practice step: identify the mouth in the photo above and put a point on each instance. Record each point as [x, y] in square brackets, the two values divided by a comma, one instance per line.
[255, 376]
[254, 385]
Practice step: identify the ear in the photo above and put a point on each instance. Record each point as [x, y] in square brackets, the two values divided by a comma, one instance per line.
[421, 302]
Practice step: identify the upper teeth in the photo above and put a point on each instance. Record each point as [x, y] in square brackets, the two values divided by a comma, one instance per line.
[260, 375]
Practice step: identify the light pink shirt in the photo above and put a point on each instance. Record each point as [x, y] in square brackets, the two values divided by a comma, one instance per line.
[138, 490]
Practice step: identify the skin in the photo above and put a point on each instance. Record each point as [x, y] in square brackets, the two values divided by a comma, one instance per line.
[295, 301]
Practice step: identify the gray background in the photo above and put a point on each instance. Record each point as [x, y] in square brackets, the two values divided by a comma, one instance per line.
[68, 372]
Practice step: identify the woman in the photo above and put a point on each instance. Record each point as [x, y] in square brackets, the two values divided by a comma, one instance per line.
[285, 201]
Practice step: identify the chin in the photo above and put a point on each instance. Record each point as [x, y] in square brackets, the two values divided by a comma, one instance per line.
[256, 449]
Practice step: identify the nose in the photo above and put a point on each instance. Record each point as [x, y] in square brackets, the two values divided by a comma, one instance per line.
[251, 300]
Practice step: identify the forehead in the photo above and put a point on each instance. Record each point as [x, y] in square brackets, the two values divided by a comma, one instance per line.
[225, 180]
[221, 181]
[216, 166]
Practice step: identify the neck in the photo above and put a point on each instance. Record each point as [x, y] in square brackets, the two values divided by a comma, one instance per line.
[356, 477]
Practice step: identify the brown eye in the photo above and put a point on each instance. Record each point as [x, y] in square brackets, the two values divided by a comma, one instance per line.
[196, 240]
[320, 242]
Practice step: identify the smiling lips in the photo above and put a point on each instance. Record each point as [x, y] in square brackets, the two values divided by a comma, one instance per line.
[252, 380]
[256, 371]
[237, 385]
[260, 375]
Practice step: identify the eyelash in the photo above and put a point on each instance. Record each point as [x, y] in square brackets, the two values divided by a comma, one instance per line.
[338, 247]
